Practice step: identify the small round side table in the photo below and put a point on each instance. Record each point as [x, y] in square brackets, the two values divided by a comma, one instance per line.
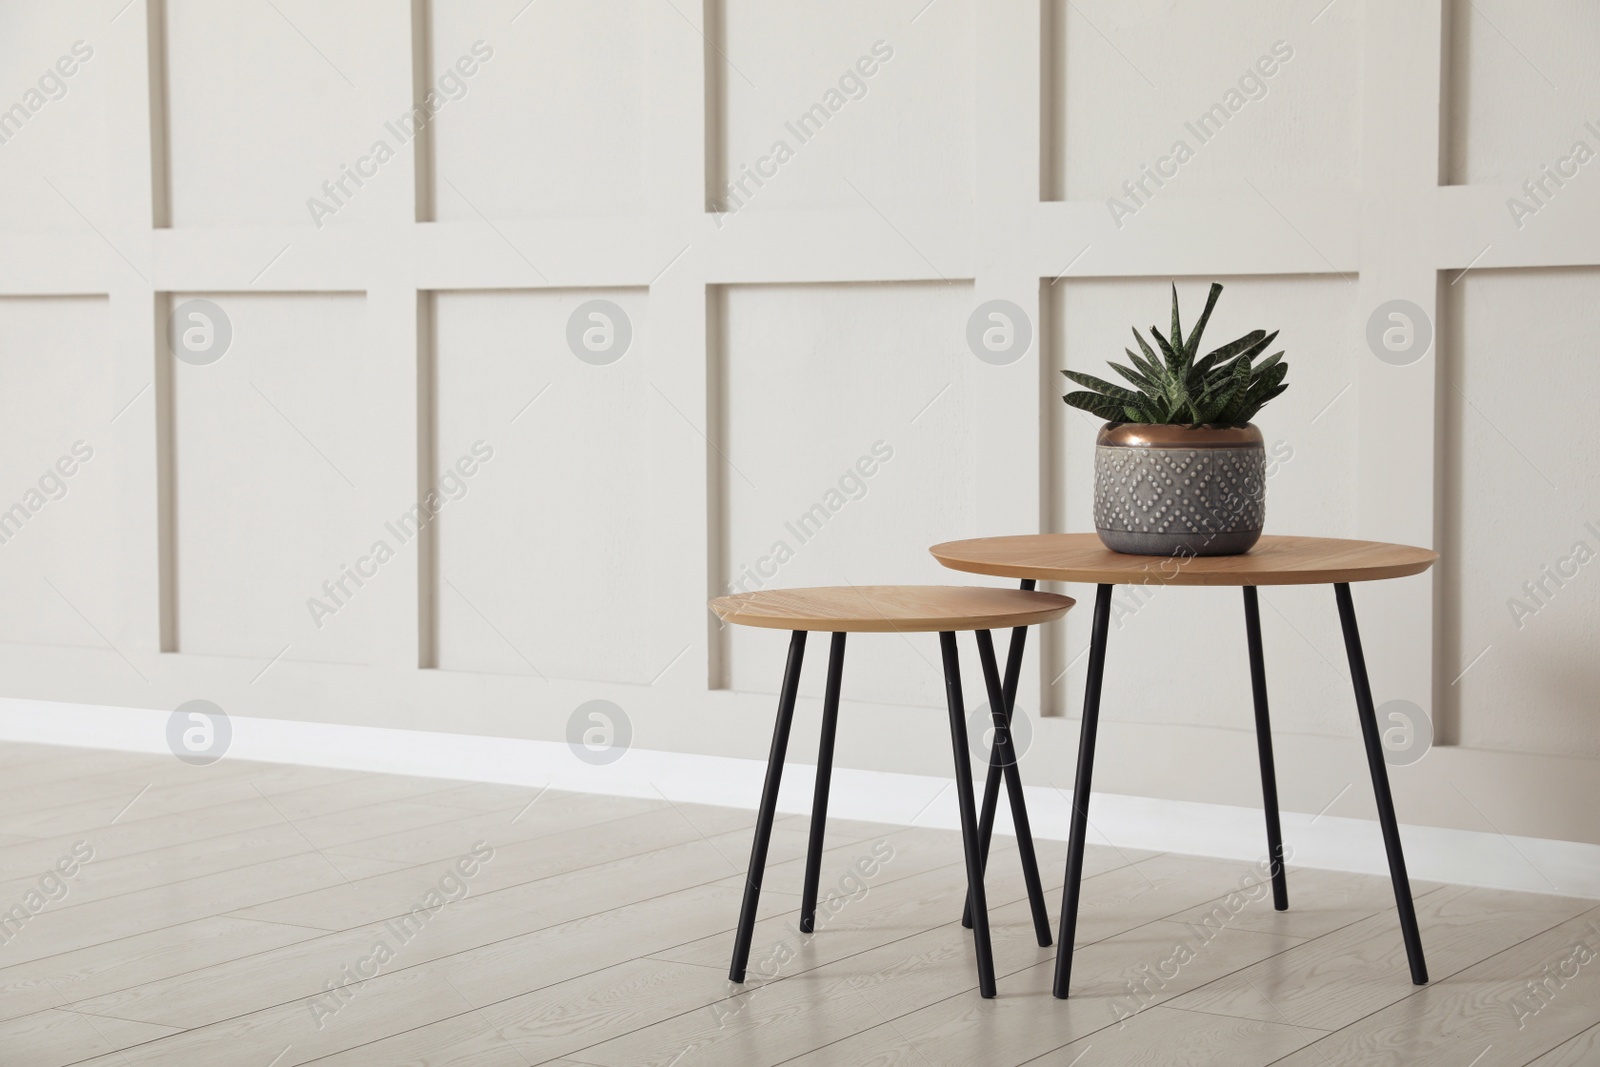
[902, 609]
[1275, 560]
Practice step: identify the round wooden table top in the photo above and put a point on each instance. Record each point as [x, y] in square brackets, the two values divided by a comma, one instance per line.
[890, 608]
[1275, 560]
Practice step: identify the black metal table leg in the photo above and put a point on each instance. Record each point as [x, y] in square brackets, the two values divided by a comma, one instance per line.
[769, 807]
[969, 813]
[1269, 774]
[991, 783]
[1080, 790]
[819, 801]
[1380, 785]
[1006, 753]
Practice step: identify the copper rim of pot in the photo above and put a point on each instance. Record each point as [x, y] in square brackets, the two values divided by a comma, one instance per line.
[1147, 435]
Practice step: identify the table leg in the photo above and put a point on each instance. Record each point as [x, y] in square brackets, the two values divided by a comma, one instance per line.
[1269, 774]
[969, 813]
[1380, 786]
[991, 784]
[819, 801]
[769, 807]
[1007, 754]
[1080, 790]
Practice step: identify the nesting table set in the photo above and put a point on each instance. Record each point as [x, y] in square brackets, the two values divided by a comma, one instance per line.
[948, 610]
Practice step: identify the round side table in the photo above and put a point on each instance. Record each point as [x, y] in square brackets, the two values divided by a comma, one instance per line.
[1275, 560]
[902, 609]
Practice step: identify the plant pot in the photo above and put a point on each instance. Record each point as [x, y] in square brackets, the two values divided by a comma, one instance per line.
[1179, 490]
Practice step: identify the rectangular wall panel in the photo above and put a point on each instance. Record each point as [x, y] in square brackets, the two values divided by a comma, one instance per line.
[530, 126]
[1523, 89]
[1178, 655]
[848, 437]
[827, 94]
[52, 116]
[270, 461]
[1521, 516]
[545, 561]
[61, 504]
[1267, 98]
[270, 101]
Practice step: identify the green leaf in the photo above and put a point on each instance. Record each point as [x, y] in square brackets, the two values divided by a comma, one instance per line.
[1100, 385]
[1167, 351]
[1177, 392]
[1268, 363]
[1219, 393]
[1238, 382]
[1261, 390]
[1262, 345]
[1161, 410]
[1095, 404]
[1150, 368]
[1248, 411]
[1251, 351]
[1201, 377]
[1192, 346]
[1270, 376]
[1233, 348]
[1177, 330]
[1143, 382]
[1134, 414]
[1143, 346]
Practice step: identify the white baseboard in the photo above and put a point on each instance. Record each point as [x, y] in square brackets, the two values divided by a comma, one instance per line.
[1531, 864]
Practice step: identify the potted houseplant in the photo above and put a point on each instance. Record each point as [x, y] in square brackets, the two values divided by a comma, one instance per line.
[1179, 469]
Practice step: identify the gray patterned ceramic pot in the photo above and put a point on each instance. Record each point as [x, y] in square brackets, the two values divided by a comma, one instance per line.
[1179, 490]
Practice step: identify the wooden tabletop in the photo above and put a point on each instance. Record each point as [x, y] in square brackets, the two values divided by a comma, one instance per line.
[890, 608]
[1275, 560]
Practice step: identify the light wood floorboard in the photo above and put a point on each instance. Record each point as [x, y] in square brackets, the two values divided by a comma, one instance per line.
[255, 914]
[1505, 1010]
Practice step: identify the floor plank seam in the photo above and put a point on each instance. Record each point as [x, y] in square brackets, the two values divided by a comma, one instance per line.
[270, 922]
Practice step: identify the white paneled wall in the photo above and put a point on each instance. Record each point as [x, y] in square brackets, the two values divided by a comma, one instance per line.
[58, 509]
[1523, 83]
[551, 516]
[1524, 557]
[60, 140]
[855, 96]
[797, 209]
[582, 145]
[1135, 83]
[270, 454]
[264, 105]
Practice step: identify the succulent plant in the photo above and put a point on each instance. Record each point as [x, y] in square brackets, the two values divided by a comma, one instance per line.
[1222, 388]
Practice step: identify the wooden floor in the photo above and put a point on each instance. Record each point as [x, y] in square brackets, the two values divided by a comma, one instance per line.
[270, 916]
